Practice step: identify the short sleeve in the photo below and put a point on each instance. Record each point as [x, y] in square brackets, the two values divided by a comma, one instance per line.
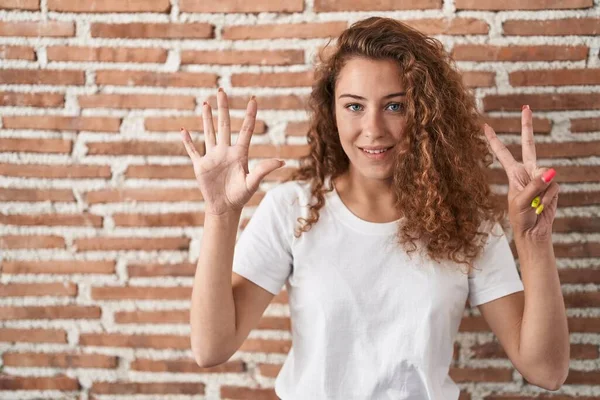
[263, 251]
[495, 274]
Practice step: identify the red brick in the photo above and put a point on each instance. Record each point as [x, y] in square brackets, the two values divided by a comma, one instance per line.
[585, 124]
[285, 102]
[266, 346]
[32, 242]
[59, 360]
[153, 30]
[20, 145]
[274, 79]
[141, 293]
[63, 123]
[570, 199]
[38, 289]
[170, 342]
[79, 220]
[269, 370]
[73, 171]
[103, 6]
[190, 388]
[239, 393]
[155, 101]
[17, 53]
[241, 6]
[243, 57]
[297, 128]
[562, 77]
[185, 365]
[41, 77]
[479, 78]
[521, 4]
[107, 54]
[141, 195]
[560, 150]
[150, 78]
[56, 382]
[141, 148]
[160, 172]
[577, 250]
[131, 243]
[153, 317]
[273, 31]
[31, 99]
[479, 52]
[32, 195]
[49, 312]
[567, 174]
[552, 27]
[163, 219]
[33, 335]
[32, 5]
[194, 124]
[542, 102]
[579, 275]
[38, 28]
[380, 5]
[449, 26]
[502, 125]
[150, 270]
[58, 267]
[487, 374]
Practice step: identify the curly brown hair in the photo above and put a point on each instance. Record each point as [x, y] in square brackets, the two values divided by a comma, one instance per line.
[439, 175]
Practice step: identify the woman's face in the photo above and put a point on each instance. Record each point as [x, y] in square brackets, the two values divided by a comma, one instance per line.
[370, 113]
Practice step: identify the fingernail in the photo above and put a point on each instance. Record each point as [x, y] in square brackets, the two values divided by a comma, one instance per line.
[220, 89]
[204, 103]
[539, 210]
[536, 202]
[548, 175]
[525, 106]
[252, 97]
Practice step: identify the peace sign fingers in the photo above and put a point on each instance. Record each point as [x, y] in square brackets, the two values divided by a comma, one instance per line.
[504, 155]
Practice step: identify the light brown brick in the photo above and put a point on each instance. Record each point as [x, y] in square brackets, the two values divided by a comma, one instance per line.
[56, 382]
[180, 342]
[31, 5]
[31, 99]
[275, 31]
[185, 365]
[104, 6]
[380, 5]
[243, 57]
[144, 30]
[558, 101]
[33, 335]
[63, 123]
[182, 388]
[139, 147]
[35, 28]
[274, 79]
[241, 6]
[131, 243]
[141, 293]
[522, 4]
[49, 312]
[151, 78]
[38, 289]
[446, 26]
[141, 195]
[137, 101]
[21, 145]
[283, 151]
[286, 102]
[151, 270]
[160, 172]
[585, 124]
[555, 77]
[107, 54]
[17, 53]
[153, 317]
[74, 171]
[58, 267]
[80, 220]
[32, 242]
[479, 78]
[59, 360]
[32, 195]
[41, 77]
[297, 128]
[476, 52]
[163, 219]
[194, 124]
[552, 27]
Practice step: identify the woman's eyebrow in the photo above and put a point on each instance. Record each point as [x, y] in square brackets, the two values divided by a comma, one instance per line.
[354, 96]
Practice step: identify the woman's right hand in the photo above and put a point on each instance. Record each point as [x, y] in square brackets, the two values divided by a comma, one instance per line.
[222, 173]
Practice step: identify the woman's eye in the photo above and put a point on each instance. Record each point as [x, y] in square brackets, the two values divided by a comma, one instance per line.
[353, 107]
[397, 106]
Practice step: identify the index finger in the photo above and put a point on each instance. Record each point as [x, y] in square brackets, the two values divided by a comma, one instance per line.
[224, 135]
[248, 126]
[527, 142]
[504, 155]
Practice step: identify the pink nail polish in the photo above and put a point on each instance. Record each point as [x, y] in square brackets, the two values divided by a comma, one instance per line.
[548, 175]
[525, 106]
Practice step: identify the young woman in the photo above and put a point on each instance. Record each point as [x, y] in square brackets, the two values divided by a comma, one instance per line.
[384, 232]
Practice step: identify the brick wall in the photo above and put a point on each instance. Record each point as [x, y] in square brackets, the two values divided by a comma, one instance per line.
[101, 218]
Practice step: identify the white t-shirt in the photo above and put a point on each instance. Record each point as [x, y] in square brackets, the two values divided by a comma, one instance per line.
[368, 321]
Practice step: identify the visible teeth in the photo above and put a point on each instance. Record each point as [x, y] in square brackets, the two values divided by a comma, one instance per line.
[374, 151]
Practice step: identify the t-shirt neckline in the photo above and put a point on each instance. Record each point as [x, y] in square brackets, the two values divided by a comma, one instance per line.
[342, 212]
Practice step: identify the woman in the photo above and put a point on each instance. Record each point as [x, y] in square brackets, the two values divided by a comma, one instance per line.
[397, 164]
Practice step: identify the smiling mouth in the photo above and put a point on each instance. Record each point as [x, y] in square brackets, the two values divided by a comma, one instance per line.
[381, 151]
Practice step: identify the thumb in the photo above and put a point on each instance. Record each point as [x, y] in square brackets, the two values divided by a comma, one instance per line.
[263, 169]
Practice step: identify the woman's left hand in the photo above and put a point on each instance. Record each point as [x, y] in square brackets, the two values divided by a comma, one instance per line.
[525, 182]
